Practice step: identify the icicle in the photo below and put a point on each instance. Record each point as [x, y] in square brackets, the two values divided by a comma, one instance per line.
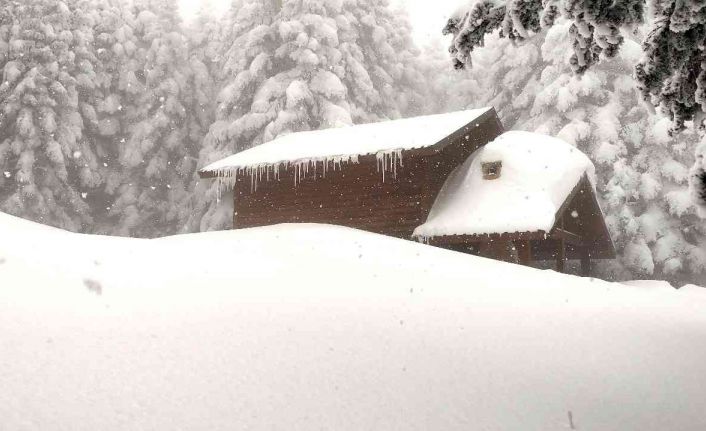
[301, 169]
[393, 164]
[389, 161]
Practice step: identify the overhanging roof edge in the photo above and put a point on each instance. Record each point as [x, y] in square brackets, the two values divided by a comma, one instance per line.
[434, 148]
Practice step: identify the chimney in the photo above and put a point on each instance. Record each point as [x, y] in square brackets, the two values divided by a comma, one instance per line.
[491, 170]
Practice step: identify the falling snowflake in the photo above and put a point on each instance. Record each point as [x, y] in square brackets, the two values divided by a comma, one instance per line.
[574, 214]
[105, 165]
[84, 194]
[153, 187]
[77, 154]
[7, 174]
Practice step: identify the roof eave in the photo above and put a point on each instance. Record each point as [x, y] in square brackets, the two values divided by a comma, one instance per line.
[467, 238]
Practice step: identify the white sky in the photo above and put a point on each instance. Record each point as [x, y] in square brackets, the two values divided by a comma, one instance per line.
[428, 16]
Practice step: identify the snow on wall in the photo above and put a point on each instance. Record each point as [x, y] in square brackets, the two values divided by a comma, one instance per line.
[538, 173]
[323, 150]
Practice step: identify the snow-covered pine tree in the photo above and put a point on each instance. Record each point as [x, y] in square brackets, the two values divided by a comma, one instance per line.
[595, 29]
[642, 171]
[47, 66]
[158, 158]
[205, 48]
[449, 89]
[697, 180]
[672, 74]
[109, 109]
[206, 33]
[307, 64]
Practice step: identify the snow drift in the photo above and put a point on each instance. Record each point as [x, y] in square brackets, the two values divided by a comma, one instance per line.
[311, 326]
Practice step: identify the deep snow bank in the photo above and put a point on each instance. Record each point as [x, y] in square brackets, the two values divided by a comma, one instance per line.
[309, 327]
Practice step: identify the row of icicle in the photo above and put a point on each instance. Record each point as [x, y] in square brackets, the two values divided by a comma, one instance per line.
[387, 161]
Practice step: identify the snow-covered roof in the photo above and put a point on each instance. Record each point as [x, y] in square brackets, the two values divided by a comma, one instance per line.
[347, 143]
[538, 173]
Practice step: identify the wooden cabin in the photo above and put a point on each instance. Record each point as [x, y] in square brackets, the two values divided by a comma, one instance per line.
[387, 178]
[380, 177]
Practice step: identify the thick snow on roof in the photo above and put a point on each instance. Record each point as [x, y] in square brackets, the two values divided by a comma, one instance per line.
[302, 327]
[346, 143]
[538, 173]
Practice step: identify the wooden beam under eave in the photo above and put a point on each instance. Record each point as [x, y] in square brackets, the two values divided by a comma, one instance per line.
[568, 237]
[469, 239]
[561, 252]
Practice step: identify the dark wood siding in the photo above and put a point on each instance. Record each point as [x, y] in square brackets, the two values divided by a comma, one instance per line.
[356, 195]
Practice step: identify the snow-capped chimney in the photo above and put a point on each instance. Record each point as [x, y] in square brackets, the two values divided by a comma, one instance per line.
[491, 170]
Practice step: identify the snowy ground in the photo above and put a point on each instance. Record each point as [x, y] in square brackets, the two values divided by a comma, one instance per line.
[317, 327]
